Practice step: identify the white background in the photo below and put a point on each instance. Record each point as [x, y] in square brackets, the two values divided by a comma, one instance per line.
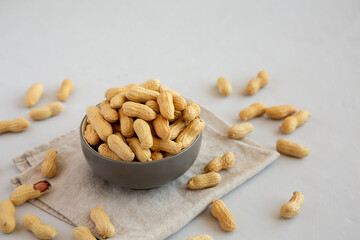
[310, 49]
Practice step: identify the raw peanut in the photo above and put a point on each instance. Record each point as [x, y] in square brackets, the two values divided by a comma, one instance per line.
[167, 154]
[143, 131]
[206, 180]
[224, 86]
[217, 164]
[166, 146]
[177, 127]
[16, 125]
[177, 114]
[255, 84]
[142, 154]
[102, 221]
[105, 151]
[118, 100]
[152, 84]
[116, 127]
[201, 237]
[7, 216]
[33, 94]
[223, 215]
[26, 192]
[121, 136]
[163, 89]
[82, 233]
[49, 110]
[279, 112]
[189, 134]
[255, 110]
[102, 127]
[126, 124]
[138, 110]
[161, 126]
[191, 111]
[291, 123]
[91, 136]
[112, 92]
[65, 90]
[179, 102]
[292, 208]
[48, 167]
[108, 113]
[153, 105]
[240, 130]
[156, 155]
[141, 95]
[166, 105]
[40, 230]
[118, 146]
[153, 133]
[293, 149]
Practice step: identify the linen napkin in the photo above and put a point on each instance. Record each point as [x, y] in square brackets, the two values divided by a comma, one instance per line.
[138, 214]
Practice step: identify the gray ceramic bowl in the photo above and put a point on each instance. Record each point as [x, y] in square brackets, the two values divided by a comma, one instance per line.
[139, 175]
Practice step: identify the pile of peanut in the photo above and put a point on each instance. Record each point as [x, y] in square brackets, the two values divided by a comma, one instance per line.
[142, 122]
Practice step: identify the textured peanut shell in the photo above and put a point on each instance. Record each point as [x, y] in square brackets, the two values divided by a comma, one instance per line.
[166, 105]
[16, 125]
[217, 164]
[205, 180]
[255, 110]
[152, 84]
[156, 155]
[7, 216]
[292, 208]
[108, 113]
[141, 95]
[48, 166]
[105, 151]
[161, 127]
[177, 127]
[224, 86]
[143, 131]
[82, 233]
[201, 237]
[138, 110]
[166, 146]
[33, 94]
[40, 230]
[179, 102]
[91, 136]
[291, 123]
[290, 148]
[118, 146]
[142, 154]
[191, 111]
[49, 110]
[240, 130]
[26, 192]
[65, 90]
[102, 127]
[118, 100]
[177, 115]
[102, 221]
[112, 92]
[279, 112]
[223, 215]
[126, 124]
[153, 105]
[255, 84]
[189, 134]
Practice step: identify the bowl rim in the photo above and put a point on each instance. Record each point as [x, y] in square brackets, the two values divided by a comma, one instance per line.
[130, 163]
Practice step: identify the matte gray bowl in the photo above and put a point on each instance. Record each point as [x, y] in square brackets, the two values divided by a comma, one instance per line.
[139, 175]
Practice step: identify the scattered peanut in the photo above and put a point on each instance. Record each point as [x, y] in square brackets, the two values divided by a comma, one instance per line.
[141, 95]
[108, 113]
[279, 112]
[102, 221]
[91, 136]
[224, 86]
[16, 125]
[143, 131]
[240, 130]
[166, 104]
[49, 110]
[118, 100]
[48, 167]
[118, 146]
[100, 125]
[255, 110]
[292, 208]
[217, 164]
[161, 127]
[152, 84]
[156, 155]
[142, 154]
[126, 124]
[105, 151]
[191, 111]
[82, 233]
[255, 84]
[189, 134]
[26, 192]
[65, 90]
[7, 216]
[291, 123]
[293, 149]
[40, 230]
[206, 180]
[201, 237]
[33, 94]
[223, 215]
[166, 146]
[132, 109]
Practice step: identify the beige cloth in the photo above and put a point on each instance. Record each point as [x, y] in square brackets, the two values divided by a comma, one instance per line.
[138, 214]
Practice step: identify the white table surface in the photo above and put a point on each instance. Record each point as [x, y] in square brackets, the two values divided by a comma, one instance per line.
[310, 49]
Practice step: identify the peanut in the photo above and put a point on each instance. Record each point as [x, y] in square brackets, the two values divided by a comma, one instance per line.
[163, 89]
[279, 112]
[206, 180]
[141, 95]
[189, 134]
[100, 125]
[132, 109]
[223, 215]
[255, 84]
[105, 151]
[152, 84]
[26, 192]
[291, 123]
[7, 216]
[143, 131]
[112, 92]
[224, 86]
[118, 146]
[48, 167]
[161, 127]
[191, 111]
[40, 230]
[33, 94]
[217, 164]
[118, 100]
[126, 124]
[167, 154]
[201, 237]
[156, 155]
[153, 105]
[16, 125]
[292, 208]
[47, 111]
[177, 115]
[91, 136]
[65, 90]
[142, 154]
[255, 110]
[108, 113]
[179, 102]
[166, 105]
[102, 221]
[165, 145]
[82, 233]
[240, 130]
[293, 149]
[177, 127]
